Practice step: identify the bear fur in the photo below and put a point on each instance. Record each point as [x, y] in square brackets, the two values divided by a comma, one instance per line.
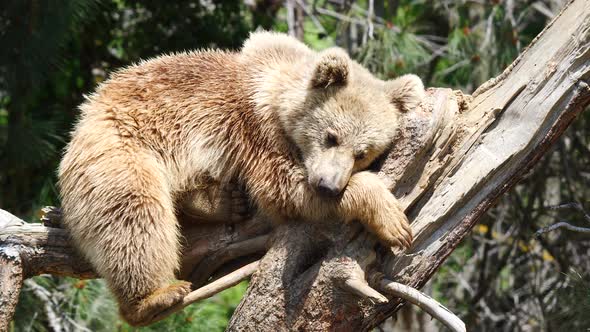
[295, 127]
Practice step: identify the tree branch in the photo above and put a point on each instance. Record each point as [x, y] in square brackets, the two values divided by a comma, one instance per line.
[28, 249]
[562, 224]
[425, 302]
[454, 158]
[566, 224]
[211, 289]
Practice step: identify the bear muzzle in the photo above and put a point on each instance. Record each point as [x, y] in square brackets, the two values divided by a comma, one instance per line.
[328, 188]
[331, 172]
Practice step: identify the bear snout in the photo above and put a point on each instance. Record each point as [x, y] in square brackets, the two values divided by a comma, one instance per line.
[330, 171]
[328, 188]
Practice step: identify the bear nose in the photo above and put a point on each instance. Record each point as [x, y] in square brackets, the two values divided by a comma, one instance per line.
[327, 189]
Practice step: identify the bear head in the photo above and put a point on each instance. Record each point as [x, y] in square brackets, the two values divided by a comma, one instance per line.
[346, 119]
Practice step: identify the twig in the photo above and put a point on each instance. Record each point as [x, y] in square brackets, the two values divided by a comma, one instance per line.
[565, 224]
[454, 67]
[542, 8]
[54, 319]
[489, 29]
[510, 15]
[209, 290]
[370, 14]
[313, 17]
[562, 224]
[425, 302]
[290, 4]
[341, 17]
[572, 205]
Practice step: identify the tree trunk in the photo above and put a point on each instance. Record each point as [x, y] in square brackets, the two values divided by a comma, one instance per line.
[458, 155]
[453, 158]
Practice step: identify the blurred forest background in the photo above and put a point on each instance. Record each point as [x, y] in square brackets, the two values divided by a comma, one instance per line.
[502, 278]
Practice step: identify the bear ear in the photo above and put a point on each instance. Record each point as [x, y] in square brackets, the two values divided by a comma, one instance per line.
[331, 69]
[406, 92]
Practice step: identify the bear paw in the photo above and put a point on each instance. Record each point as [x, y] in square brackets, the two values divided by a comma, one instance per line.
[391, 225]
[239, 204]
[144, 312]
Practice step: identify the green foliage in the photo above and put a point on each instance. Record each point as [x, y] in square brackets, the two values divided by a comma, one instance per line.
[53, 53]
[578, 292]
[89, 305]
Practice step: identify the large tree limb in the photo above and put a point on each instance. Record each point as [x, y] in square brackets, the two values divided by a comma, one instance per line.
[459, 154]
[452, 160]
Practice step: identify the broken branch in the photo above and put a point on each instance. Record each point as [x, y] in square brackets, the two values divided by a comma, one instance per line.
[426, 303]
[361, 288]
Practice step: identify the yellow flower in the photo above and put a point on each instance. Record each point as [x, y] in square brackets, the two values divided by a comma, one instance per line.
[547, 256]
[481, 229]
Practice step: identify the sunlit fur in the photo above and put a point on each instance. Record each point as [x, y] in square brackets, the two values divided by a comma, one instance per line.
[159, 129]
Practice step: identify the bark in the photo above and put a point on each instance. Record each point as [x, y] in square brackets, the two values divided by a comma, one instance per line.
[11, 281]
[453, 158]
[459, 154]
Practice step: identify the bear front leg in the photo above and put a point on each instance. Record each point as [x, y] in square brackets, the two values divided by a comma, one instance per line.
[367, 199]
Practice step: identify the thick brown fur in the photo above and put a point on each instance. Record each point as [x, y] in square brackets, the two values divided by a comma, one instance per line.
[277, 117]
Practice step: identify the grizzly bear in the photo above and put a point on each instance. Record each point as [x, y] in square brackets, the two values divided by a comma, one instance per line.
[295, 127]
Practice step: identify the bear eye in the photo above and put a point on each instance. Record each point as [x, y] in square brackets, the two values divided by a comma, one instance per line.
[331, 139]
[360, 155]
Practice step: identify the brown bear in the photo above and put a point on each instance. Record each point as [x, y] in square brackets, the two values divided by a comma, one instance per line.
[295, 127]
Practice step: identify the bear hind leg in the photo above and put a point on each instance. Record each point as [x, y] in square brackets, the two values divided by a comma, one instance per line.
[133, 239]
[147, 283]
[145, 310]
